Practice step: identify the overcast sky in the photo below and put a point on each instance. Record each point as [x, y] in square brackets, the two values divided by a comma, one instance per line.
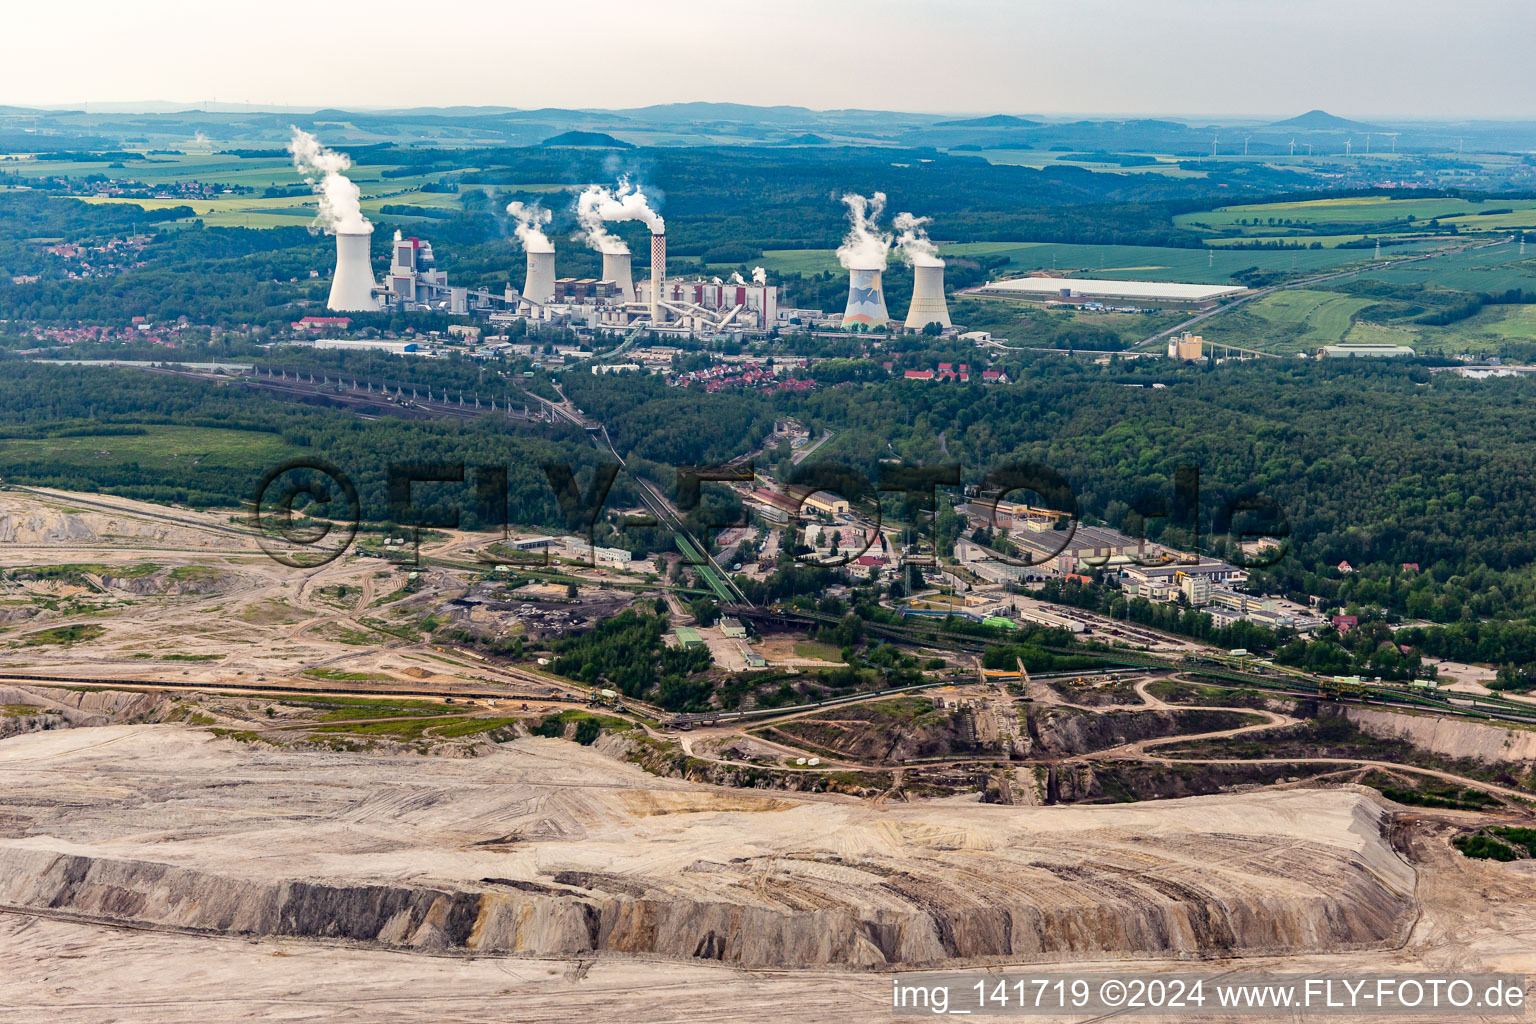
[1355, 58]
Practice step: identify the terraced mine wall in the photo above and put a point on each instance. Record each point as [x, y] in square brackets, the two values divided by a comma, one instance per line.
[583, 913]
[1449, 737]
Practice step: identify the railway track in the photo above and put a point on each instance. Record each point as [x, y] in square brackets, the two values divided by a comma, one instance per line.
[256, 688]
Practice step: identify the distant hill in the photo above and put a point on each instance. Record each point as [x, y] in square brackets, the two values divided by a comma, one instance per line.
[995, 121]
[701, 111]
[586, 140]
[1321, 120]
[808, 139]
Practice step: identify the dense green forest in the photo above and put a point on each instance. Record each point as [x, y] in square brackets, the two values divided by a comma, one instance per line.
[43, 406]
[1378, 465]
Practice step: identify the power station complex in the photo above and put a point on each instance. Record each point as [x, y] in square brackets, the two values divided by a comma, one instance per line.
[616, 301]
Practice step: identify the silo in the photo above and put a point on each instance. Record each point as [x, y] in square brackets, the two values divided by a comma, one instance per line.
[928, 305]
[352, 285]
[616, 269]
[866, 299]
[539, 285]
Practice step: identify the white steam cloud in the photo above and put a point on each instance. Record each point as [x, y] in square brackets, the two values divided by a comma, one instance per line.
[865, 246]
[736, 278]
[759, 275]
[916, 248]
[597, 206]
[341, 208]
[530, 222]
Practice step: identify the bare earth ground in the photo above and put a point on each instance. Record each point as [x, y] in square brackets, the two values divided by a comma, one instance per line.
[168, 794]
[215, 608]
[175, 796]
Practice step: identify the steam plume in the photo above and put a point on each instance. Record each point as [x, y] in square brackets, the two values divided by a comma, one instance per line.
[736, 278]
[340, 202]
[597, 206]
[529, 226]
[865, 246]
[917, 249]
[759, 275]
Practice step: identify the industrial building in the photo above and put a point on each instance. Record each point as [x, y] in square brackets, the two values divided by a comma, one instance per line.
[616, 301]
[1186, 347]
[1081, 291]
[1365, 352]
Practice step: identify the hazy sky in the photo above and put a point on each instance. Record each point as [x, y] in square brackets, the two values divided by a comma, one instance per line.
[1356, 58]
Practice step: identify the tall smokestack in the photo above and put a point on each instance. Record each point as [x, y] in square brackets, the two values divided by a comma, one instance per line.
[616, 269]
[928, 305]
[658, 274]
[352, 286]
[539, 285]
[866, 299]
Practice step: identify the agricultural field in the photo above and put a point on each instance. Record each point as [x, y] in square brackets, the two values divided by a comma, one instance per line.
[1294, 320]
[1495, 268]
[1488, 333]
[254, 210]
[1117, 262]
[1167, 166]
[1364, 210]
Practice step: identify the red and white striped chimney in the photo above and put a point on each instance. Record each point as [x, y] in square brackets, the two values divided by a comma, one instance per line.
[658, 274]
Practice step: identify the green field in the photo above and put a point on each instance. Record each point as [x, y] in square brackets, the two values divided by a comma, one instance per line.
[1294, 320]
[1116, 262]
[1166, 165]
[1496, 268]
[1361, 210]
[256, 211]
[1489, 332]
[160, 448]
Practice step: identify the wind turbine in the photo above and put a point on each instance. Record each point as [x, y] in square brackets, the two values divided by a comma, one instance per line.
[1349, 146]
[1293, 145]
[1393, 136]
[1367, 143]
[1309, 149]
[1245, 144]
[1214, 139]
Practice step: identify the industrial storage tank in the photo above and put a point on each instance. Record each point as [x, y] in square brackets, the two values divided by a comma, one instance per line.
[866, 300]
[928, 305]
[352, 285]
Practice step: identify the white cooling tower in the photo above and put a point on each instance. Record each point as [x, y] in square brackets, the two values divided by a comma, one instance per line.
[928, 305]
[352, 286]
[539, 286]
[866, 300]
[616, 269]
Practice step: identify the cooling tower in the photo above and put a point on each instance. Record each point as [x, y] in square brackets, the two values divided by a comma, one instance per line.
[928, 305]
[616, 269]
[658, 274]
[866, 300]
[539, 285]
[352, 287]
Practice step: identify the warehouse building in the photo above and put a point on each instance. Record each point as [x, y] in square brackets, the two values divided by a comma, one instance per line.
[1365, 352]
[1078, 291]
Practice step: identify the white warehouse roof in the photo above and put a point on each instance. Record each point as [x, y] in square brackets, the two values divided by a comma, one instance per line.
[1112, 289]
